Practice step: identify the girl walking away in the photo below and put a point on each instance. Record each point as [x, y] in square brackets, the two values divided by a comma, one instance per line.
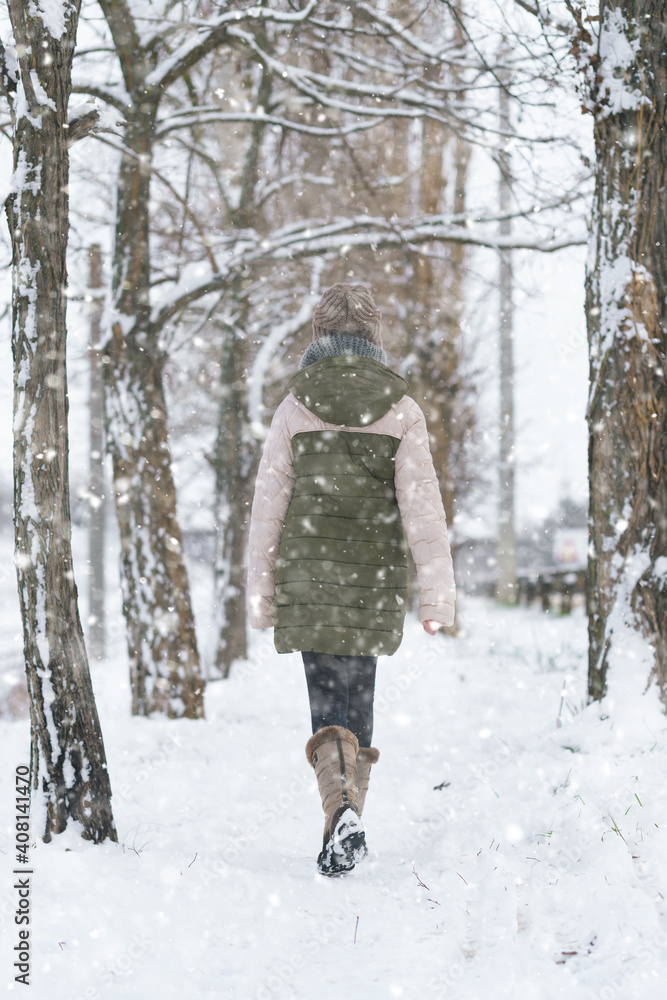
[346, 476]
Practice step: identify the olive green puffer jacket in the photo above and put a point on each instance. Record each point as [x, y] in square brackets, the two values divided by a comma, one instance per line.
[346, 472]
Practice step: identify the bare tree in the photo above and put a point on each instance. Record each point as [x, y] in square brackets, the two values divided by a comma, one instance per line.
[96, 489]
[325, 172]
[164, 659]
[623, 59]
[506, 591]
[68, 766]
[326, 74]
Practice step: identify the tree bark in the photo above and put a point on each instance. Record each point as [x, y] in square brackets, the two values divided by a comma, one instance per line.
[235, 462]
[164, 660]
[438, 311]
[68, 764]
[165, 669]
[235, 454]
[626, 295]
[506, 591]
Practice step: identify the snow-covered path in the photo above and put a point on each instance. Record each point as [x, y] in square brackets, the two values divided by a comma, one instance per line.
[535, 870]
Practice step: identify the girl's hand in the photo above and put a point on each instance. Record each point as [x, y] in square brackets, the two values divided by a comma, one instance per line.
[431, 627]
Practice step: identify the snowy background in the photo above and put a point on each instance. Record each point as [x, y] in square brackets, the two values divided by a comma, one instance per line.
[517, 837]
[510, 856]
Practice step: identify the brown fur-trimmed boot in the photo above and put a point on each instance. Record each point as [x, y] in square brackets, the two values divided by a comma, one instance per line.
[332, 752]
[366, 757]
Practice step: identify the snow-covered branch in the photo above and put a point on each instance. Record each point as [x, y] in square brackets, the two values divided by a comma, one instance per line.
[212, 34]
[545, 19]
[400, 100]
[277, 336]
[306, 240]
[191, 117]
[392, 26]
[267, 191]
[117, 98]
[81, 125]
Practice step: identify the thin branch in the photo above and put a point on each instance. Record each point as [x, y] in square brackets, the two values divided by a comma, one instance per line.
[416, 105]
[339, 237]
[204, 116]
[103, 95]
[83, 125]
[534, 9]
[318, 180]
[124, 151]
[194, 49]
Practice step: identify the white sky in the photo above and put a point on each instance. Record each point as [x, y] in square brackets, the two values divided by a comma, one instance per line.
[551, 386]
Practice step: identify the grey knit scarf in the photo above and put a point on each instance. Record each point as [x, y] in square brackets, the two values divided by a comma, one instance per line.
[341, 343]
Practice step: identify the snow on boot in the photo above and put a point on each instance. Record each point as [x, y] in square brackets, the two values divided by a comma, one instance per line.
[332, 752]
[366, 756]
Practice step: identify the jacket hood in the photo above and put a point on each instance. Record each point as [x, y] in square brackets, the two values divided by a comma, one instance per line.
[347, 389]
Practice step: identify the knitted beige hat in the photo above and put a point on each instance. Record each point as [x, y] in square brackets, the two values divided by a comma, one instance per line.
[348, 309]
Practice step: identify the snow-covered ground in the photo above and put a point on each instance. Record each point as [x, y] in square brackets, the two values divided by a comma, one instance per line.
[510, 856]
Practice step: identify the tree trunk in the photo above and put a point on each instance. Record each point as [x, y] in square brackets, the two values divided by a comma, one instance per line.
[68, 764]
[164, 659]
[235, 461]
[438, 308]
[627, 330]
[506, 590]
[235, 455]
[461, 420]
[96, 491]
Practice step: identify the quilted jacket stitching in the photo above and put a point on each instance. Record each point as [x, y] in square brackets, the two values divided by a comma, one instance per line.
[415, 482]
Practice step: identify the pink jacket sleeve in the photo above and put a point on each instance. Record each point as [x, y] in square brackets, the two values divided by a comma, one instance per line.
[273, 491]
[424, 522]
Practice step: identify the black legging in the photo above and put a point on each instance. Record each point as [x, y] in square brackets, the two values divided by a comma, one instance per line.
[341, 690]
